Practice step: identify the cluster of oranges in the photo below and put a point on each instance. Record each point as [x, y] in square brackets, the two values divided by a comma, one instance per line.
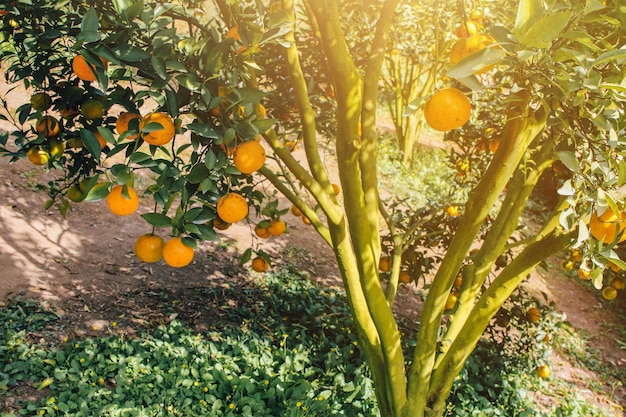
[384, 265]
[72, 115]
[607, 227]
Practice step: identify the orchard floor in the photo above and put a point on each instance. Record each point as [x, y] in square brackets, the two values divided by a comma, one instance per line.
[83, 265]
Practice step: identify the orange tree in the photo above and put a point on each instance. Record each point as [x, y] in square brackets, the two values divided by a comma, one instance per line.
[194, 75]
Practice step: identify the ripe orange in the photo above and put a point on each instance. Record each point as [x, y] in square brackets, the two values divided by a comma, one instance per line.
[261, 232]
[575, 255]
[176, 254]
[121, 124]
[447, 109]
[609, 293]
[84, 70]
[276, 227]
[37, 156]
[617, 283]
[295, 211]
[249, 157]
[48, 125]
[543, 371]
[55, 148]
[584, 273]
[451, 301]
[92, 109]
[384, 264]
[149, 248]
[336, 189]
[608, 226]
[468, 46]
[233, 33]
[120, 205]
[306, 220]
[453, 211]
[161, 136]
[220, 224]
[232, 208]
[259, 264]
[41, 101]
[404, 277]
[533, 315]
[465, 29]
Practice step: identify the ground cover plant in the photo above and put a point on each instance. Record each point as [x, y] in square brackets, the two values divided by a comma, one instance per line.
[194, 94]
[290, 350]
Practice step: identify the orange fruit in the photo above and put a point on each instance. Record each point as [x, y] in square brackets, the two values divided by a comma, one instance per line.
[453, 211]
[533, 315]
[232, 207]
[249, 157]
[220, 224]
[608, 226]
[119, 204]
[92, 109]
[306, 220]
[121, 124]
[617, 283]
[84, 70]
[543, 371]
[149, 248]
[567, 264]
[48, 125]
[37, 156]
[447, 109]
[384, 264]
[259, 264]
[575, 255]
[465, 29]
[55, 148]
[451, 301]
[336, 189]
[404, 277]
[40, 101]
[276, 227]
[261, 232]
[233, 33]
[614, 267]
[176, 254]
[295, 211]
[609, 293]
[75, 194]
[68, 111]
[161, 136]
[584, 273]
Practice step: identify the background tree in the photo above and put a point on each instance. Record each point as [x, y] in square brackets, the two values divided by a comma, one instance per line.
[196, 83]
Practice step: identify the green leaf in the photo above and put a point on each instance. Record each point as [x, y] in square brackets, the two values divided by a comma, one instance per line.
[610, 56]
[209, 159]
[476, 62]
[128, 9]
[159, 66]
[203, 129]
[541, 33]
[569, 160]
[157, 219]
[216, 58]
[245, 257]
[91, 142]
[528, 11]
[98, 192]
[131, 53]
[198, 174]
[90, 21]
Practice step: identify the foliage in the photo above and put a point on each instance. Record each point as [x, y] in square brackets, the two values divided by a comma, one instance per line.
[290, 349]
[561, 101]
